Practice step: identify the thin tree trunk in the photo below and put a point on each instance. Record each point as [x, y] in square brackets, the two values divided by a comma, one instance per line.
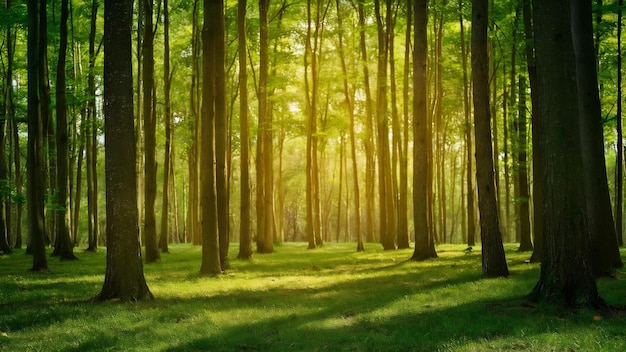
[350, 108]
[523, 198]
[149, 129]
[493, 260]
[64, 247]
[35, 196]
[471, 223]
[403, 200]
[619, 158]
[537, 187]
[92, 177]
[245, 238]
[369, 130]
[167, 74]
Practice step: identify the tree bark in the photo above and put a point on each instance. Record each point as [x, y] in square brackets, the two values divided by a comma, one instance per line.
[471, 223]
[211, 45]
[64, 247]
[619, 158]
[149, 124]
[493, 259]
[566, 273]
[124, 278]
[605, 251]
[35, 191]
[167, 117]
[245, 238]
[537, 187]
[523, 198]
[424, 243]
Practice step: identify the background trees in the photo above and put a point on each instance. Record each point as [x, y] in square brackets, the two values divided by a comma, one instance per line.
[329, 134]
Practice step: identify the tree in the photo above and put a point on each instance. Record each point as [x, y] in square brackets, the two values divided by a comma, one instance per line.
[493, 260]
[35, 195]
[167, 117]
[63, 247]
[245, 247]
[566, 272]
[265, 169]
[521, 176]
[619, 158]
[471, 223]
[212, 61]
[350, 108]
[91, 129]
[424, 243]
[605, 251]
[537, 187]
[149, 119]
[124, 277]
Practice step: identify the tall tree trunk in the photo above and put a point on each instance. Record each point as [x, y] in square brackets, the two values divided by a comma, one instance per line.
[386, 205]
[124, 278]
[221, 144]
[350, 107]
[566, 272]
[403, 188]
[139, 140]
[245, 238]
[90, 127]
[35, 195]
[605, 251]
[212, 61]
[424, 243]
[149, 124]
[64, 247]
[493, 260]
[6, 109]
[167, 117]
[619, 158]
[521, 148]
[537, 187]
[471, 222]
[369, 130]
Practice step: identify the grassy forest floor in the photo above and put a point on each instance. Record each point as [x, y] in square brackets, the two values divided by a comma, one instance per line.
[328, 299]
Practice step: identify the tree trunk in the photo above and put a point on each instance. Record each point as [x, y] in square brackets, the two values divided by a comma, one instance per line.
[167, 117]
[423, 241]
[212, 61]
[92, 177]
[221, 143]
[523, 198]
[350, 108]
[605, 251]
[124, 278]
[471, 223]
[35, 195]
[245, 238]
[566, 273]
[537, 187]
[369, 130]
[149, 130]
[493, 259]
[619, 161]
[64, 247]
[403, 188]
[386, 205]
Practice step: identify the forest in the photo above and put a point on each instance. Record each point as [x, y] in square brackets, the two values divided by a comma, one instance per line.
[232, 131]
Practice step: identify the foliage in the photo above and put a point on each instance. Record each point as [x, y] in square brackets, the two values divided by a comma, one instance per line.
[296, 300]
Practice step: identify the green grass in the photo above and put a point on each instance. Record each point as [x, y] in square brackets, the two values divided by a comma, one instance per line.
[328, 299]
